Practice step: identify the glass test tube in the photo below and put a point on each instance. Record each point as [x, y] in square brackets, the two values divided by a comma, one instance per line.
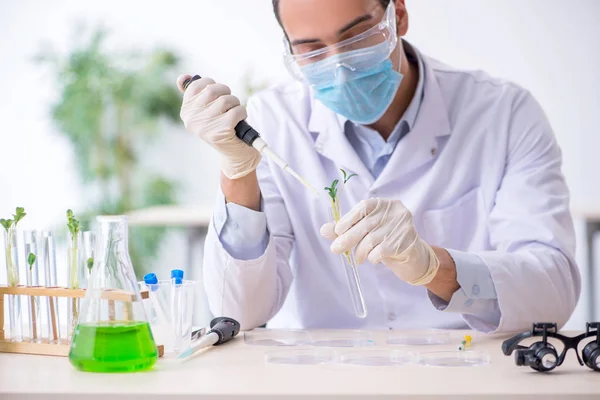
[358, 300]
[32, 275]
[49, 253]
[12, 271]
[351, 271]
[75, 273]
[88, 257]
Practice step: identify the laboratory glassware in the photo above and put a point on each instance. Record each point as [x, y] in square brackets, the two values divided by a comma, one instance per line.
[113, 333]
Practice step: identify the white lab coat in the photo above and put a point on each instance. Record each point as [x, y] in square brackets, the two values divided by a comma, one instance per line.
[480, 171]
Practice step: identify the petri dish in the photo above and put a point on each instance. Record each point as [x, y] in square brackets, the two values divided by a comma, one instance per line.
[300, 357]
[455, 358]
[277, 337]
[341, 338]
[419, 337]
[377, 358]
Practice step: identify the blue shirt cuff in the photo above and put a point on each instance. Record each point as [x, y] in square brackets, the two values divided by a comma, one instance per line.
[477, 293]
[242, 231]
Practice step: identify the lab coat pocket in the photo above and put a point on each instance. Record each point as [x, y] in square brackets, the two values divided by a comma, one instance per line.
[459, 226]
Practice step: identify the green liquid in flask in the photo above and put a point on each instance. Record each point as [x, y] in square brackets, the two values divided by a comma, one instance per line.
[118, 346]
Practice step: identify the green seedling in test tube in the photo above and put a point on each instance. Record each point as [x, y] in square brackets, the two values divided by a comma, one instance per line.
[90, 264]
[334, 192]
[30, 261]
[73, 225]
[10, 225]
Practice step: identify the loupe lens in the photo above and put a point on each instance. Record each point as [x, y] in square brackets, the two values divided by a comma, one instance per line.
[548, 361]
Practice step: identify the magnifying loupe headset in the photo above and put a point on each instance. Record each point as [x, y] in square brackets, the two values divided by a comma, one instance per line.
[543, 357]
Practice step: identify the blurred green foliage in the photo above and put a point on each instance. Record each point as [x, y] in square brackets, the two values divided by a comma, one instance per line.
[111, 105]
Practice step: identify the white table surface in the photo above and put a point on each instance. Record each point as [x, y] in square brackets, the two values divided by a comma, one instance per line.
[236, 370]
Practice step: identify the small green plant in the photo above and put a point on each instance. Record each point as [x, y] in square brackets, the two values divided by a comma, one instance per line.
[10, 225]
[90, 264]
[73, 225]
[34, 300]
[31, 260]
[74, 228]
[334, 192]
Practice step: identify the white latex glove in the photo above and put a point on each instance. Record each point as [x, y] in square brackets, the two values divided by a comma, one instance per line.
[382, 231]
[210, 112]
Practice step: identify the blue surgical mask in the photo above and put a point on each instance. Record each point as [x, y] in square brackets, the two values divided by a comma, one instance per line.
[357, 84]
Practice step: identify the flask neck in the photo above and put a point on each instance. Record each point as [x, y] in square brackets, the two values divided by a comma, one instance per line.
[113, 269]
[115, 236]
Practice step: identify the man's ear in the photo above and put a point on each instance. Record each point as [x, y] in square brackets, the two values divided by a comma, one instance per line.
[401, 17]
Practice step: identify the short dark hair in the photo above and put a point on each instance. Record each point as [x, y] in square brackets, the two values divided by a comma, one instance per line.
[384, 4]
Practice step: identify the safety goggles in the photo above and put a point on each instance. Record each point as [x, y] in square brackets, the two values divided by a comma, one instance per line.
[362, 50]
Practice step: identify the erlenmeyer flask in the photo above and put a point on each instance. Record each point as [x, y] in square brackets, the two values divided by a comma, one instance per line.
[112, 333]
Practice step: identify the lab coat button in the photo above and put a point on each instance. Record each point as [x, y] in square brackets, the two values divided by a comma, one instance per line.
[235, 225]
[469, 303]
[475, 290]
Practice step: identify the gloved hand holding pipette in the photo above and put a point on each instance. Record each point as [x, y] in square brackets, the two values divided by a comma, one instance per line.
[211, 112]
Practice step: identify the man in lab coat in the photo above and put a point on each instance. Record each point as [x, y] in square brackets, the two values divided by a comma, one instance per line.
[458, 215]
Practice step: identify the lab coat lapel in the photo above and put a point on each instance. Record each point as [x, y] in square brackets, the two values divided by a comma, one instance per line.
[332, 143]
[420, 145]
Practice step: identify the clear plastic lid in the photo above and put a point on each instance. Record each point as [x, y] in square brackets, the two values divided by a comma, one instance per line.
[277, 337]
[378, 358]
[301, 357]
[455, 358]
[419, 337]
[341, 338]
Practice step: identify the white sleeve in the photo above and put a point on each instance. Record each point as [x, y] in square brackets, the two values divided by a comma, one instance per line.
[253, 290]
[531, 229]
[242, 231]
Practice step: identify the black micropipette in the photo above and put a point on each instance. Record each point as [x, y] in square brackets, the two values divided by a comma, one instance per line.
[222, 330]
[250, 136]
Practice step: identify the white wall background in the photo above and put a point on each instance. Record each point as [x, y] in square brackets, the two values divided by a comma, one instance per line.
[547, 46]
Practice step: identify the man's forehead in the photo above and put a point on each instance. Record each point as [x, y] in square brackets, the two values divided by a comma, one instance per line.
[310, 17]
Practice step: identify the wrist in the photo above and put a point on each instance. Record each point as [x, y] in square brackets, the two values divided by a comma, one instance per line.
[243, 191]
[445, 282]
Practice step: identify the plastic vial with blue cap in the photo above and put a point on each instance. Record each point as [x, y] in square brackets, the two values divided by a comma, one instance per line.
[177, 308]
[158, 314]
[177, 276]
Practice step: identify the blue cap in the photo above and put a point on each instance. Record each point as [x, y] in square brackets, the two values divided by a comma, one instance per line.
[177, 274]
[151, 279]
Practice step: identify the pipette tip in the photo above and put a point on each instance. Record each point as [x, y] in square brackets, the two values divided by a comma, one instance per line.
[186, 353]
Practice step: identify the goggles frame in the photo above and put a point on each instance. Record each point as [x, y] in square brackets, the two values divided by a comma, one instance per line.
[386, 27]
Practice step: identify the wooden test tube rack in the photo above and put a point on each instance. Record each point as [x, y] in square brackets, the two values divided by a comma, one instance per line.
[44, 347]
